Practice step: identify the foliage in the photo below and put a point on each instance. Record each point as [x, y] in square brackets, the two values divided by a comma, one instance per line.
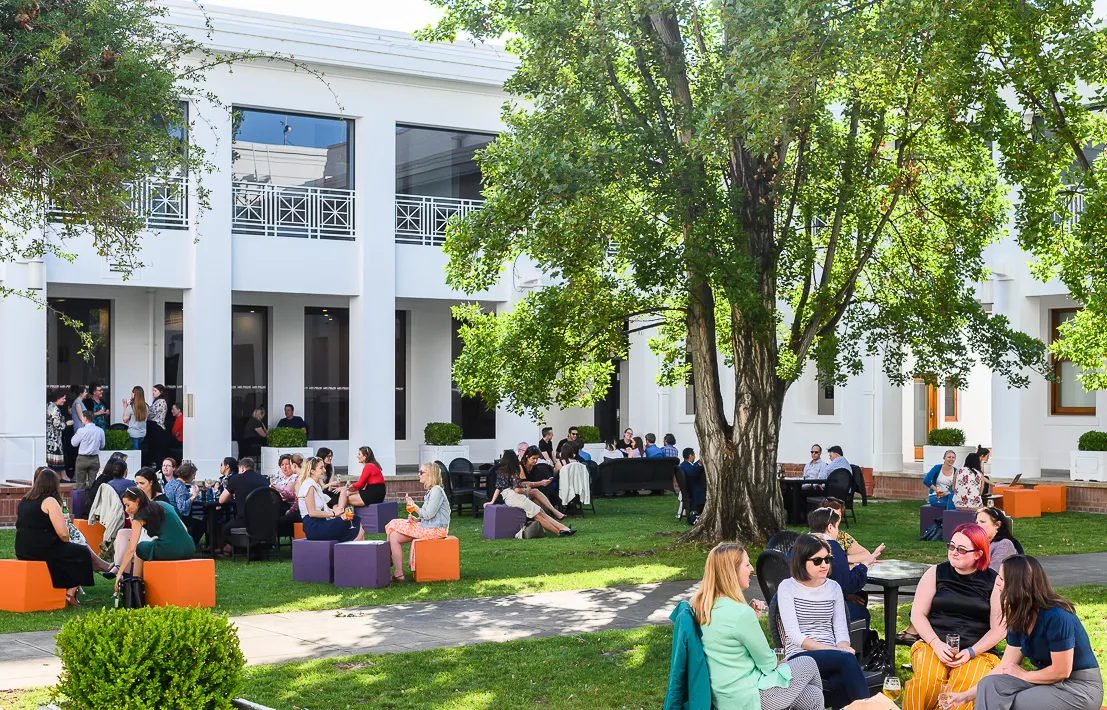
[149, 658]
[442, 434]
[1092, 441]
[286, 438]
[948, 436]
[117, 440]
[589, 434]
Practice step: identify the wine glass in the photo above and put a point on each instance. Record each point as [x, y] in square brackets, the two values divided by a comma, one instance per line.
[779, 655]
[945, 695]
[892, 688]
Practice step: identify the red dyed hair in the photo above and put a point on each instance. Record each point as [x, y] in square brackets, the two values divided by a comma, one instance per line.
[979, 540]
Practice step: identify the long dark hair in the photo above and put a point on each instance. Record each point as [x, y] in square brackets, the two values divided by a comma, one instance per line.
[805, 548]
[152, 476]
[161, 393]
[370, 457]
[567, 453]
[1004, 523]
[148, 510]
[1027, 592]
[45, 485]
[973, 461]
[323, 453]
[509, 465]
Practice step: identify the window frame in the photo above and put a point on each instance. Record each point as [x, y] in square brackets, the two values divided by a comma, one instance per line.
[1055, 406]
[351, 130]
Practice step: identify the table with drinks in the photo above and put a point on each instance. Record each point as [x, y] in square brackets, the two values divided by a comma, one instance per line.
[891, 576]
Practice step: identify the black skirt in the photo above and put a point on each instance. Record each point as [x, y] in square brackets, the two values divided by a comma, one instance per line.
[70, 564]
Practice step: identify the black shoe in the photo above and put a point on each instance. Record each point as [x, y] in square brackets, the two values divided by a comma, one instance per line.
[566, 533]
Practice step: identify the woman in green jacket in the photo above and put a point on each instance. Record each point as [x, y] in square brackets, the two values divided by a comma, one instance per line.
[745, 673]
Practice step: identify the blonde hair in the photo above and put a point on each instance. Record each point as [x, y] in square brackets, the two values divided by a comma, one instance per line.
[434, 475]
[720, 579]
[259, 414]
[138, 402]
[298, 460]
[305, 472]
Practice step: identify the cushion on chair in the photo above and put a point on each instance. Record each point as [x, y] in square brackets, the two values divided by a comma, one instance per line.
[94, 533]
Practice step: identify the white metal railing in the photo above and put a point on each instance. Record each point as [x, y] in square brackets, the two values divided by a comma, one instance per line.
[422, 220]
[292, 211]
[162, 202]
[1076, 208]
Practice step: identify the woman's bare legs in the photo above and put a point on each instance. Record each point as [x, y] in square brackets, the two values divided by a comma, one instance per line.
[360, 534]
[540, 498]
[396, 541]
[355, 500]
[137, 571]
[122, 540]
[549, 523]
[98, 564]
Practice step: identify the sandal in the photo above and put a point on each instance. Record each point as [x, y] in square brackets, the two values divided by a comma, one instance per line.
[399, 578]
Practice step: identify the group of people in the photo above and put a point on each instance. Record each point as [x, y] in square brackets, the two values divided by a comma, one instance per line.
[955, 488]
[255, 432]
[633, 447]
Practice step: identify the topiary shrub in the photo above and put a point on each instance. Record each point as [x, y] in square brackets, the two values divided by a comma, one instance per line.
[589, 434]
[116, 440]
[1093, 441]
[286, 438]
[946, 437]
[442, 434]
[153, 658]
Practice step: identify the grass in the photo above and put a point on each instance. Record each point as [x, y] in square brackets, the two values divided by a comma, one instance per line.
[630, 541]
[610, 669]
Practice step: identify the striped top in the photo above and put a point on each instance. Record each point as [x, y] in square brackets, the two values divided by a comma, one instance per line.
[817, 613]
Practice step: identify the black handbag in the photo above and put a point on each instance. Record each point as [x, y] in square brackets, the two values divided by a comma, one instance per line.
[530, 530]
[934, 532]
[132, 593]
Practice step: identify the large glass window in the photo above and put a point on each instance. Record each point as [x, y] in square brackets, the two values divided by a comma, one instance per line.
[291, 149]
[173, 377]
[1067, 395]
[476, 419]
[327, 372]
[401, 375]
[67, 360]
[249, 365]
[438, 163]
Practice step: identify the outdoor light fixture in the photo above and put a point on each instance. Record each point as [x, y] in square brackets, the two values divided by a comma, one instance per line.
[35, 280]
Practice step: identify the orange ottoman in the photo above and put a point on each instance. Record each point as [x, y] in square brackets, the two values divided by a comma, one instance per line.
[27, 587]
[298, 531]
[93, 533]
[180, 583]
[436, 560]
[1053, 497]
[1021, 503]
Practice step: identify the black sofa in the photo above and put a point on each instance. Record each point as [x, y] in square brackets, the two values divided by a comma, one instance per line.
[641, 474]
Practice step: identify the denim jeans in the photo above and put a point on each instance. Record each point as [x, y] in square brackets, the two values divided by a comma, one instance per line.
[843, 681]
[136, 444]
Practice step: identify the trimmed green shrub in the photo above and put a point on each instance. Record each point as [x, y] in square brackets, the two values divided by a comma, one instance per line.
[116, 440]
[156, 658]
[589, 434]
[442, 434]
[1093, 441]
[946, 437]
[286, 438]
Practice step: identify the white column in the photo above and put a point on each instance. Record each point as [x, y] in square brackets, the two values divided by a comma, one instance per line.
[373, 311]
[207, 307]
[287, 357]
[22, 373]
[887, 422]
[131, 347]
[1016, 412]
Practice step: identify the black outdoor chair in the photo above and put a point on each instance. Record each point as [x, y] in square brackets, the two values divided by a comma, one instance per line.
[783, 541]
[838, 485]
[262, 513]
[858, 487]
[686, 507]
[457, 496]
[772, 569]
[484, 495]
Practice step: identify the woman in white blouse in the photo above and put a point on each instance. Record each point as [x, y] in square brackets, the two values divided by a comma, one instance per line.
[321, 522]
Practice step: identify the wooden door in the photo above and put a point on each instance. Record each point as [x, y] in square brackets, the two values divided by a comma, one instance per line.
[926, 415]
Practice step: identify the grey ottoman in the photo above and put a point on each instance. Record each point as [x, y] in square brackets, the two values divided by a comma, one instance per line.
[313, 560]
[502, 521]
[362, 564]
[952, 518]
[375, 517]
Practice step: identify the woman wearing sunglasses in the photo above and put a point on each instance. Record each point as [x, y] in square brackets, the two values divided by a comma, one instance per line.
[813, 613]
[958, 597]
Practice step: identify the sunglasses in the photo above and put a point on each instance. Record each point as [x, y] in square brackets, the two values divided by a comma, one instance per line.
[815, 451]
[959, 550]
[820, 561]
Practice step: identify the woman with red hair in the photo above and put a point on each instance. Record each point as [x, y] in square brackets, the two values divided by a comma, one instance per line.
[957, 598]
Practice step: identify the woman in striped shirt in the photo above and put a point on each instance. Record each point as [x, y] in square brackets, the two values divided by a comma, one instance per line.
[813, 613]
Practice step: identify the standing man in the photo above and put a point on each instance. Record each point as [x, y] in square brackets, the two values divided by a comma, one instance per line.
[291, 421]
[653, 451]
[545, 445]
[837, 461]
[88, 441]
[100, 413]
[815, 470]
[669, 449]
[627, 442]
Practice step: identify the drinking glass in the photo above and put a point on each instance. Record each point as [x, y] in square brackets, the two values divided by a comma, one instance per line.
[954, 642]
[945, 695]
[779, 655]
[892, 688]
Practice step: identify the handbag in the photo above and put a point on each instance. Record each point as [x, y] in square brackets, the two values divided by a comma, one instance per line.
[934, 532]
[75, 535]
[530, 530]
[132, 593]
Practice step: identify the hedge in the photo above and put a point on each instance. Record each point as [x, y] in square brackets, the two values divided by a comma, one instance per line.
[946, 437]
[117, 440]
[287, 438]
[1093, 441]
[442, 434]
[589, 434]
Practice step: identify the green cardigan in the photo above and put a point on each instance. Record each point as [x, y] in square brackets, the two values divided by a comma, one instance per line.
[740, 660]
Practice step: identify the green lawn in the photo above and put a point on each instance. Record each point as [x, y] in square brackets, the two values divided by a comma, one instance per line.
[630, 541]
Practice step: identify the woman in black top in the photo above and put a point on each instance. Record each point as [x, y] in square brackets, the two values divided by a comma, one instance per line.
[42, 533]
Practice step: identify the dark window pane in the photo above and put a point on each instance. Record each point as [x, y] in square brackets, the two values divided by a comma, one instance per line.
[66, 364]
[438, 163]
[291, 149]
[173, 378]
[249, 365]
[826, 400]
[401, 375]
[327, 372]
[477, 420]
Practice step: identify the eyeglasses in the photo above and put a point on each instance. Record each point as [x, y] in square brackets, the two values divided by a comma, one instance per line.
[820, 561]
[816, 451]
[956, 549]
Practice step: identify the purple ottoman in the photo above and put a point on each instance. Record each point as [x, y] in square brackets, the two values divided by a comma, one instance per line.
[362, 564]
[927, 514]
[313, 560]
[77, 507]
[952, 518]
[502, 521]
[375, 517]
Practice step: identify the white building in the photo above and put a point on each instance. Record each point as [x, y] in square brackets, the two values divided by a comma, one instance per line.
[316, 278]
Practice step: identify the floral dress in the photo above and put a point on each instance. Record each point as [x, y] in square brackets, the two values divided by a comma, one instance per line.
[157, 412]
[55, 458]
[967, 485]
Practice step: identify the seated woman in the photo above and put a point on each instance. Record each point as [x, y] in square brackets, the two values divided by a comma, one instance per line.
[813, 613]
[743, 669]
[181, 492]
[168, 469]
[369, 488]
[854, 551]
[635, 452]
[1002, 542]
[1043, 628]
[939, 481]
[320, 521]
[165, 538]
[968, 484]
[428, 522]
[42, 534]
[541, 475]
[146, 479]
[958, 596]
[511, 486]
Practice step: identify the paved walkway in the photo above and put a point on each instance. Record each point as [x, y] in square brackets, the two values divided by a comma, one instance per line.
[28, 660]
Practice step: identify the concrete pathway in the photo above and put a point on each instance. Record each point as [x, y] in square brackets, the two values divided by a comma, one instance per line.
[28, 660]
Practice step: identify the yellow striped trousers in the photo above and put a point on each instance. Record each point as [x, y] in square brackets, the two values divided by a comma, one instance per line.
[921, 692]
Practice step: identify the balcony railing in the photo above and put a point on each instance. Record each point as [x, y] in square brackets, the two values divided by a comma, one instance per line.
[422, 220]
[288, 211]
[162, 202]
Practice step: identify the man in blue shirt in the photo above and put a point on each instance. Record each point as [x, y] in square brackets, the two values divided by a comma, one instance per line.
[653, 451]
[669, 449]
[837, 461]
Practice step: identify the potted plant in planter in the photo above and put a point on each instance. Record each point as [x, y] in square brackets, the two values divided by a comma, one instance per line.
[939, 441]
[593, 444]
[118, 441]
[1089, 461]
[282, 440]
[442, 442]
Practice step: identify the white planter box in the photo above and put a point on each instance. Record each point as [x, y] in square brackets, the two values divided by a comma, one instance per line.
[932, 455]
[445, 454]
[594, 450]
[134, 460]
[271, 457]
[1088, 465]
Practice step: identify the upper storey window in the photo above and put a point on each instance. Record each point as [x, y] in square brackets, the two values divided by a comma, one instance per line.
[438, 163]
[292, 149]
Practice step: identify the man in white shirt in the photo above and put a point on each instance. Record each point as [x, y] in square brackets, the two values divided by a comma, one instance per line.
[837, 461]
[815, 469]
